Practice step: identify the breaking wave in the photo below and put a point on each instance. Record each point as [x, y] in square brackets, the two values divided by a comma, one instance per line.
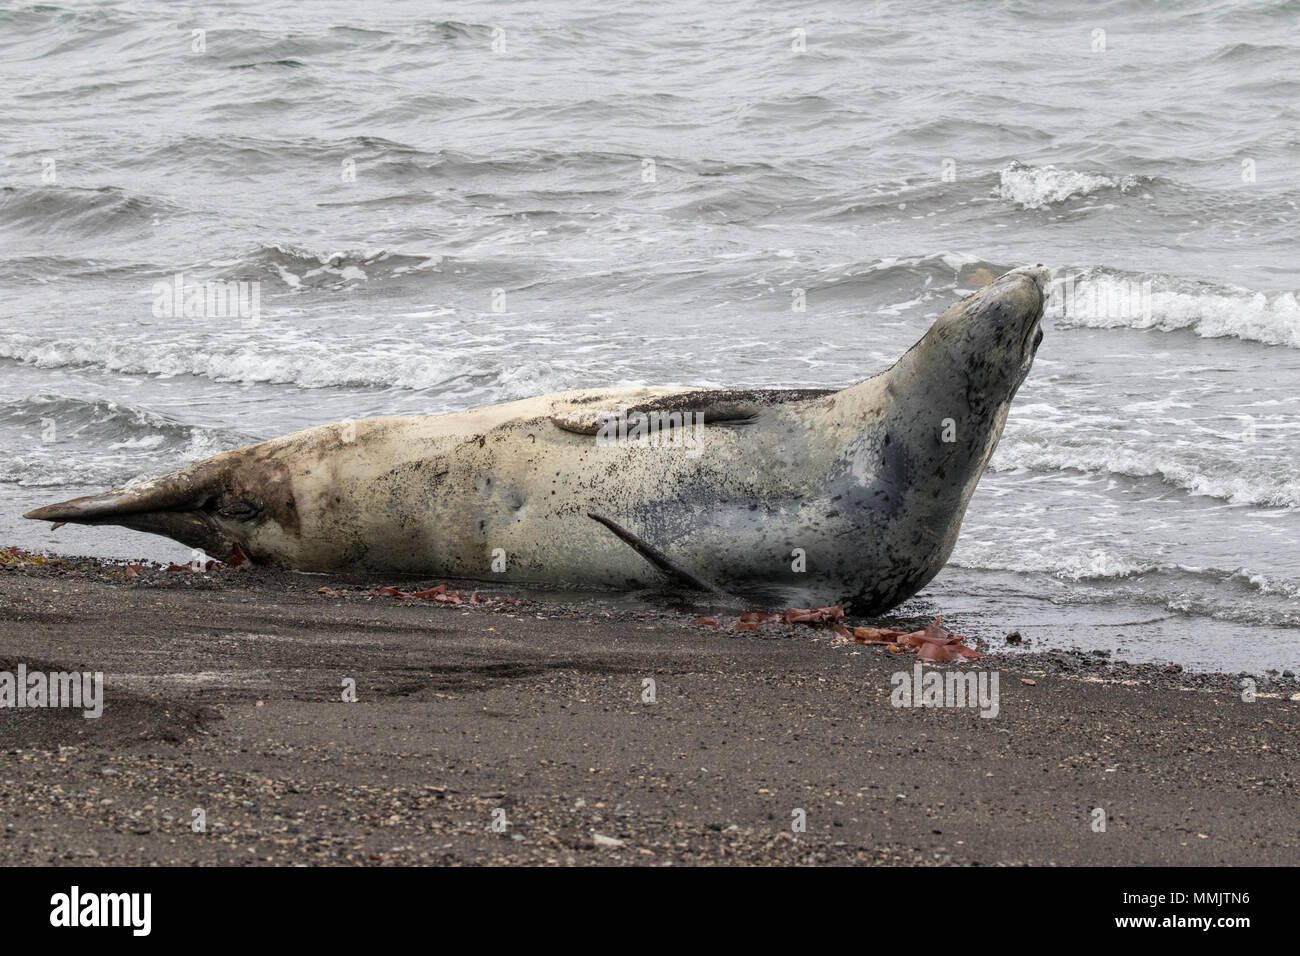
[56, 440]
[297, 360]
[1034, 187]
[1103, 299]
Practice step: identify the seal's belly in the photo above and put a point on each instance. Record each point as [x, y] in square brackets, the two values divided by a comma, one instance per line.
[729, 511]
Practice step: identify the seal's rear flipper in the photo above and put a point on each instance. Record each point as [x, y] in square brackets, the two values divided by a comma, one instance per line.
[657, 557]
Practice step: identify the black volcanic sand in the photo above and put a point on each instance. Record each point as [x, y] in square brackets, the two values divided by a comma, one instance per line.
[224, 693]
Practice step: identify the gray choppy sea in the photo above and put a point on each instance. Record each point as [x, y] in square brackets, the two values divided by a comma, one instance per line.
[647, 186]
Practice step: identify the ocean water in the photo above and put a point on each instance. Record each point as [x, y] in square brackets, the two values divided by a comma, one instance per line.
[443, 206]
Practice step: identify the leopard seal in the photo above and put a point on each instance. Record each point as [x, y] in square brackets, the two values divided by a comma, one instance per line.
[855, 495]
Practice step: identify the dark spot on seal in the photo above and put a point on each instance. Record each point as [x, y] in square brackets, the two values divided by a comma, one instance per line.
[260, 484]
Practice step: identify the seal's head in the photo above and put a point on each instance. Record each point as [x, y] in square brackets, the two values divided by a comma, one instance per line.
[991, 336]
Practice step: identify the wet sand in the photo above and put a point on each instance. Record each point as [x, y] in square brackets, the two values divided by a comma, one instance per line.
[224, 694]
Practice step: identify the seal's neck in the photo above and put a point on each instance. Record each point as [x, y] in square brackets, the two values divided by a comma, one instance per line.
[916, 439]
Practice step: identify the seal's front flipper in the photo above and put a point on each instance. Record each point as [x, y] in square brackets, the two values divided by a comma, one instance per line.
[657, 557]
[675, 407]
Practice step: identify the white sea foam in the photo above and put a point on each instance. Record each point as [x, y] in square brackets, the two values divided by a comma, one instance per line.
[299, 362]
[1238, 480]
[1034, 187]
[292, 359]
[1089, 564]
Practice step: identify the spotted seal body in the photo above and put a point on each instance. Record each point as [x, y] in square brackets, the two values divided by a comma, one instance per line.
[856, 494]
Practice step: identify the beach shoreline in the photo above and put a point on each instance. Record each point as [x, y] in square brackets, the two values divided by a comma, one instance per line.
[556, 733]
